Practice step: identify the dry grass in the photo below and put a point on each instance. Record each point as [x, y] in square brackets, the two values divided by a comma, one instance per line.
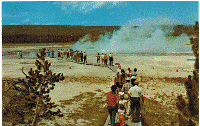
[155, 114]
[89, 79]
[92, 109]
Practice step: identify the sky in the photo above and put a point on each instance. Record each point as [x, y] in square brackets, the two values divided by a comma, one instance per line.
[98, 13]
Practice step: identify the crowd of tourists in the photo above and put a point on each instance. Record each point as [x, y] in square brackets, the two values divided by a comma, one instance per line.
[76, 56]
[125, 96]
[103, 58]
[80, 56]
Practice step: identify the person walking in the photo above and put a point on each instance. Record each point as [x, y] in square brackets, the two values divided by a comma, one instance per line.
[122, 78]
[117, 80]
[135, 94]
[112, 103]
[121, 112]
[126, 87]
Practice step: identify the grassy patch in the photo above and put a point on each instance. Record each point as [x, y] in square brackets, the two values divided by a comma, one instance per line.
[91, 109]
[155, 114]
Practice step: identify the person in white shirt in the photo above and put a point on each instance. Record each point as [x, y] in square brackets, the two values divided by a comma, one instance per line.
[121, 99]
[119, 70]
[122, 110]
[18, 55]
[135, 94]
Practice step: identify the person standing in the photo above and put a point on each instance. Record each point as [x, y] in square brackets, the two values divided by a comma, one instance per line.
[85, 57]
[129, 74]
[105, 59]
[81, 56]
[111, 59]
[112, 103]
[48, 52]
[122, 79]
[58, 52]
[68, 53]
[134, 75]
[20, 53]
[135, 94]
[119, 70]
[121, 110]
[52, 53]
[98, 58]
[117, 80]
[75, 55]
[102, 58]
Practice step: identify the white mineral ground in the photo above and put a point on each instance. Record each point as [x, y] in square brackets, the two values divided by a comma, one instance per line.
[165, 92]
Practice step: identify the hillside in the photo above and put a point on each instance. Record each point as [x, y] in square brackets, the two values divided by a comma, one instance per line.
[64, 33]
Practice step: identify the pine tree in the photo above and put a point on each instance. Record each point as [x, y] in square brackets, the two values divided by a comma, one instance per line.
[191, 109]
[32, 98]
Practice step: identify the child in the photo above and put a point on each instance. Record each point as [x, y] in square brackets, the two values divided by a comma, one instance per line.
[121, 112]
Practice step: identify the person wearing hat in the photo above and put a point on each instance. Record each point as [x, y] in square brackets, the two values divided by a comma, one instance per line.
[125, 89]
[135, 94]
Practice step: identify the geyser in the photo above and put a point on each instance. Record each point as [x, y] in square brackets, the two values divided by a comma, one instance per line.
[147, 38]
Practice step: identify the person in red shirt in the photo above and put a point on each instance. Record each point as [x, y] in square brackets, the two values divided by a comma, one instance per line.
[112, 103]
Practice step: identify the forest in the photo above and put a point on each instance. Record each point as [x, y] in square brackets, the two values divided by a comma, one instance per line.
[65, 33]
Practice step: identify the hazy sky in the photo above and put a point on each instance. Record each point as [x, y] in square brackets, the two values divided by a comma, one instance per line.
[98, 13]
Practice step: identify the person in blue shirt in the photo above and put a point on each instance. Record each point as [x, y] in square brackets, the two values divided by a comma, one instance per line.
[134, 76]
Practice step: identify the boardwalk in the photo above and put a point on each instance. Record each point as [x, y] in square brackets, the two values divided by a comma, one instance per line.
[128, 119]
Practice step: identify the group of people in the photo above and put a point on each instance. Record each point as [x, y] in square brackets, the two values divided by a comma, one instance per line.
[77, 56]
[74, 55]
[104, 58]
[125, 96]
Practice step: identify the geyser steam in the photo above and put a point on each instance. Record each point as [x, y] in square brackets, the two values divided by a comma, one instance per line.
[148, 38]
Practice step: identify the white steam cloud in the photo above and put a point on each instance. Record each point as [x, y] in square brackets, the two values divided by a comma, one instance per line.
[147, 38]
